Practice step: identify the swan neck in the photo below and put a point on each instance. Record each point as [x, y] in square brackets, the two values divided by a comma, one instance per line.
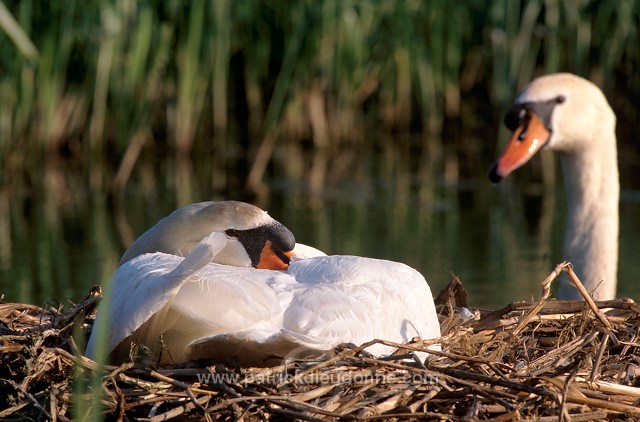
[591, 241]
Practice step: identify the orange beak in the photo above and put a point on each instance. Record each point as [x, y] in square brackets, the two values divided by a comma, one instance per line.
[523, 144]
[271, 260]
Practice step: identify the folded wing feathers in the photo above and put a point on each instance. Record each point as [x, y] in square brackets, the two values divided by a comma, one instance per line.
[319, 303]
[142, 286]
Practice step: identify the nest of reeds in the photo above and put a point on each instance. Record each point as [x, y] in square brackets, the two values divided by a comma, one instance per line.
[542, 360]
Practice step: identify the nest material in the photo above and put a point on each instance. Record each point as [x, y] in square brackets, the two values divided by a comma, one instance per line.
[542, 360]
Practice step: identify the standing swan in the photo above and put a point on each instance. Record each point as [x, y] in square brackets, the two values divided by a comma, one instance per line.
[571, 115]
[240, 291]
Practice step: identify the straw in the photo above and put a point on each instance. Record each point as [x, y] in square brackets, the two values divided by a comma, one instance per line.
[542, 360]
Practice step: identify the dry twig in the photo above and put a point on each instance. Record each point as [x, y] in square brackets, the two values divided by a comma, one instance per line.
[539, 360]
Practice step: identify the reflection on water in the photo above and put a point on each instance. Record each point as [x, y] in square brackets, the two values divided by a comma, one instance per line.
[56, 242]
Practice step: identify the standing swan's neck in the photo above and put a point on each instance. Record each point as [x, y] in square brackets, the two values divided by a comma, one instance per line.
[570, 115]
[591, 241]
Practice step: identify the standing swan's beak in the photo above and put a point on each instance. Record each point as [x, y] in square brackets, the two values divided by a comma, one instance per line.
[525, 141]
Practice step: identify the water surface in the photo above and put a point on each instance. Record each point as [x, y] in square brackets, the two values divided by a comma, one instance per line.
[60, 238]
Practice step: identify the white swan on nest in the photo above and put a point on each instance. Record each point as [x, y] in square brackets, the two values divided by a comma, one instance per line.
[195, 307]
[571, 115]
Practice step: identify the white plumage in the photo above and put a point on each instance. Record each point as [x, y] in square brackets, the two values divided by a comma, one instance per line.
[570, 115]
[192, 308]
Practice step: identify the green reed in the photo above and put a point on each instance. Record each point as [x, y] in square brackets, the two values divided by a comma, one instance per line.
[105, 82]
[106, 90]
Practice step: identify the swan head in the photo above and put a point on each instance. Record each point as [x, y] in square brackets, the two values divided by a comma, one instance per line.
[561, 111]
[254, 239]
[269, 246]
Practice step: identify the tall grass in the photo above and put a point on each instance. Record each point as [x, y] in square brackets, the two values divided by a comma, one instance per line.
[93, 94]
[106, 82]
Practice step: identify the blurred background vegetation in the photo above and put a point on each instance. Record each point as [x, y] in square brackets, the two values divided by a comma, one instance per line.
[172, 102]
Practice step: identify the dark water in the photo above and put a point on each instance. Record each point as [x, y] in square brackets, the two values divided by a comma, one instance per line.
[60, 238]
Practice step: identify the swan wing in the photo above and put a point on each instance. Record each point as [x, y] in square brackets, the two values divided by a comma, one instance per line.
[216, 300]
[142, 286]
[222, 298]
[348, 299]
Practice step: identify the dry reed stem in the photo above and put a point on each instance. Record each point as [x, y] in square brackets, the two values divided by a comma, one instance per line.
[540, 360]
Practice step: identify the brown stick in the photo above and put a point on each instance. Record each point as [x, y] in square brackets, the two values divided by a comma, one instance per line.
[601, 316]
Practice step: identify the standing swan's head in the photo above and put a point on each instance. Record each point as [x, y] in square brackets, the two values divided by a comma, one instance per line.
[571, 115]
[254, 239]
[561, 111]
